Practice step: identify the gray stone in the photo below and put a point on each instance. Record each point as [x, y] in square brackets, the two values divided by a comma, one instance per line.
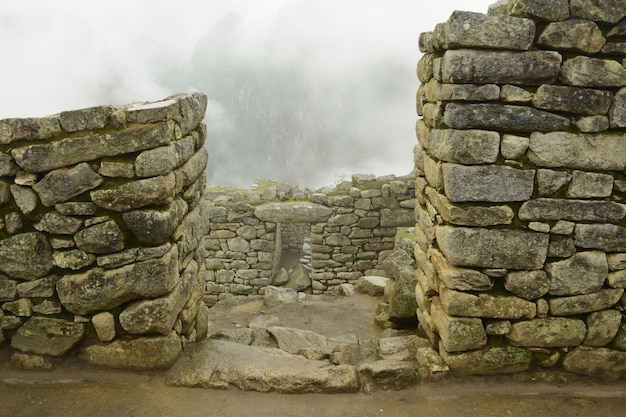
[154, 227]
[158, 111]
[48, 307]
[425, 68]
[561, 248]
[435, 91]
[14, 130]
[611, 11]
[40, 288]
[24, 197]
[563, 227]
[151, 352]
[589, 185]
[553, 10]
[620, 339]
[549, 182]
[13, 222]
[11, 322]
[598, 362]
[513, 147]
[462, 304]
[22, 307]
[606, 237]
[26, 256]
[372, 285]
[455, 278]
[490, 183]
[602, 326]
[192, 109]
[31, 362]
[400, 348]
[514, 94]
[76, 208]
[100, 289]
[69, 151]
[104, 237]
[457, 333]
[586, 303]
[617, 112]
[465, 66]
[47, 336]
[116, 169]
[89, 118]
[489, 361]
[222, 364]
[593, 124]
[292, 212]
[495, 248]
[299, 278]
[617, 279]
[547, 332]
[58, 224]
[73, 259]
[547, 209]
[577, 34]
[137, 194]
[529, 285]
[498, 328]
[189, 172]
[275, 296]
[62, 184]
[464, 146]
[469, 215]
[584, 101]
[298, 341]
[583, 273]
[397, 218]
[477, 30]
[617, 261]
[104, 324]
[8, 167]
[8, 289]
[241, 335]
[429, 363]
[583, 71]
[389, 374]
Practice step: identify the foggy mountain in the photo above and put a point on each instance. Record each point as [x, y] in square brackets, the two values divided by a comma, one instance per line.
[299, 90]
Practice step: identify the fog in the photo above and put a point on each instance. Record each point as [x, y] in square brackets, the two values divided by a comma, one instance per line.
[304, 91]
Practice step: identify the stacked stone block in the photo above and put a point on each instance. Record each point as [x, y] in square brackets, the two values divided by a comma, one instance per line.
[521, 216]
[100, 219]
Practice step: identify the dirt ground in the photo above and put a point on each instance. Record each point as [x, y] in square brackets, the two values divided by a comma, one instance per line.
[74, 388]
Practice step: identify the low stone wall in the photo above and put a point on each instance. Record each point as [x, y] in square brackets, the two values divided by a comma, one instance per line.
[100, 219]
[350, 228]
[521, 217]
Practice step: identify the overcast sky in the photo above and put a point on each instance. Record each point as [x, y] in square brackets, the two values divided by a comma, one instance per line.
[358, 55]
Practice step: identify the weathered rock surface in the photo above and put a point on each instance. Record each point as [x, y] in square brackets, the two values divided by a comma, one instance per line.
[457, 333]
[100, 238]
[456, 278]
[583, 273]
[469, 215]
[300, 342]
[606, 237]
[579, 34]
[555, 10]
[298, 211]
[389, 374]
[598, 362]
[465, 146]
[153, 226]
[487, 361]
[462, 304]
[547, 209]
[62, 184]
[585, 303]
[151, 352]
[47, 336]
[547, 332]
[372, 285]
[583, 71]
[137, 194]
[222, 364]
[585, 101]
[529, 285]
[26, 256]
[602, 326]
[55, 223]
[598, 10]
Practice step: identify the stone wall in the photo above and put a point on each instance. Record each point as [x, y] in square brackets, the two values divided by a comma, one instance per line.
[99, 222]
[521, 216]
[349, 229]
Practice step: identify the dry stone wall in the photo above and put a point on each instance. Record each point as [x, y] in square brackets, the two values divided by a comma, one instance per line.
[521, 216]
[100, 219]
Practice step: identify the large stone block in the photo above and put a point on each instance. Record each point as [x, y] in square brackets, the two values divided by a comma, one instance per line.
[590, 185]
[592, 152]
[463, 304]
[55, 223]
[193, 168]
[548, 209]
[89, 118]
[598, 362]
[465, 66]
[502, 117]
[469, 214]
[467, 147]
[462, 279]
[493, 248]
[553, 10]
[606, 237]
[397, 218]
[62, 184]
[602, 326]
[154, 227]
[137, 353]
[586, 303]
[435, 91]
[577, 34]
[103, 289]
[547, 332]
[489, 361]
[611, 11]
[14, 130]
[103, 237]
[292, 212]
[26, 256]
[457, 334]
[69, 151]
[47, 336]
[477, 30]
[529, 285]
[492, 183]
[585, 101]
[137, 194]
[583, 273]
[583, 71]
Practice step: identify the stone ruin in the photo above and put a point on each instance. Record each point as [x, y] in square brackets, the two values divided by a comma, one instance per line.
[110, 244]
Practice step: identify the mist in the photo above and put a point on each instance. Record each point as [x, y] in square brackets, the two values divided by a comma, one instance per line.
[303, 91]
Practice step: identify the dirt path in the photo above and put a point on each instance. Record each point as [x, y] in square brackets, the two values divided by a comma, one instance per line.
[77, 389]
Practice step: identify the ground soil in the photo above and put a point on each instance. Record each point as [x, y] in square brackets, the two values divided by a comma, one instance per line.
[76, 389]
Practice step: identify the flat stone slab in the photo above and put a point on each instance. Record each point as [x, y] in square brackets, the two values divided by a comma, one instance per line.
[292, 212]
[222, 364]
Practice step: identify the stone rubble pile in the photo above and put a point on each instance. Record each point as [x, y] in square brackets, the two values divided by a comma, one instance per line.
[521, 229]
[100, 216]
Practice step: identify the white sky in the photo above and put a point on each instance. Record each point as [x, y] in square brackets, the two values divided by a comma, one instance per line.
[67, 54]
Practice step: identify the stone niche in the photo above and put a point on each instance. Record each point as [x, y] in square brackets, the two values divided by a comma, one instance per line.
[521, 227]
[100, 217]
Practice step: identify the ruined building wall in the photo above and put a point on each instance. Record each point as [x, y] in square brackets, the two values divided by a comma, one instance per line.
[100, 219]
[521, 216]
